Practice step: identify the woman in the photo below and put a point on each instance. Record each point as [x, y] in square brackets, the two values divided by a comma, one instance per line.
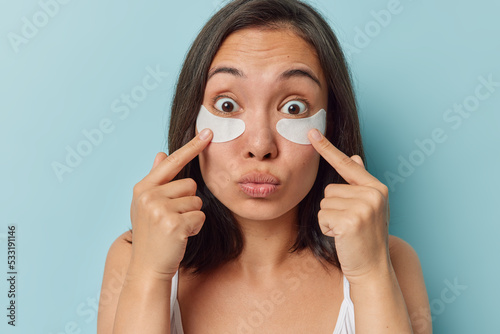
[260, 223]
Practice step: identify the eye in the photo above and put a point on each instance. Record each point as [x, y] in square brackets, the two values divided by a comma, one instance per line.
[294, 107]
[226, 104]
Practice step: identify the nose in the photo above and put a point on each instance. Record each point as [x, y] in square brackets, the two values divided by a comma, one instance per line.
[259, 137]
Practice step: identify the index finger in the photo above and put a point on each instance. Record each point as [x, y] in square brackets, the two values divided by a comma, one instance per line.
[172, 165]
[349, 169]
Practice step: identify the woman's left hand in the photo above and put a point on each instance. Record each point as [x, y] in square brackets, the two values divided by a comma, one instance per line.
[355, 214]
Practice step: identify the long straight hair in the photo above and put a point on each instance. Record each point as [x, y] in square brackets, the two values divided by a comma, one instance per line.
[220, 239]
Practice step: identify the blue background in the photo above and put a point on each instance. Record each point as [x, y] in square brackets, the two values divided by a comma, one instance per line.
[407, 73]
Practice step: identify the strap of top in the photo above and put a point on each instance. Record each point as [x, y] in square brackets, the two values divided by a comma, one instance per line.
[347, 289]
[173, 292]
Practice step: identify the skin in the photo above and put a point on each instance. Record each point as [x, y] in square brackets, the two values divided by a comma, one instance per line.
[356, 214]
[387, 286]
[268, 223]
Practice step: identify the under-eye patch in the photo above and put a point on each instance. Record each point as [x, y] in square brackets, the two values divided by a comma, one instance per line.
[293, 129]
[223, 128]
[296, 129]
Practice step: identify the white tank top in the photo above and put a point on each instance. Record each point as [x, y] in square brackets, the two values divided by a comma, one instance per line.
[345, 320]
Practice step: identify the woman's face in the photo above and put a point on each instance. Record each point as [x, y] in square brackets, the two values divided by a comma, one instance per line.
[250, 78]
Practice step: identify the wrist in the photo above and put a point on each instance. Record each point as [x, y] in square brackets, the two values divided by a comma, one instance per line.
[139, 272]
[379, 273]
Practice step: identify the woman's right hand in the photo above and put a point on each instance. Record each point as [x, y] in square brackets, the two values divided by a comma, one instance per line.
[164, 213]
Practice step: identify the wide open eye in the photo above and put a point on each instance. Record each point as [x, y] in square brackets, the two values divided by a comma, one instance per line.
[294, 107]
[226, 104]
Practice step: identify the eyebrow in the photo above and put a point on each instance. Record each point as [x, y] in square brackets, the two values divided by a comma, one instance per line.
[294, 72]
[229, 70]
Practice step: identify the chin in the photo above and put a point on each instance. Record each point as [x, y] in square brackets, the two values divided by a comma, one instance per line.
[259, 208]
[259, 216]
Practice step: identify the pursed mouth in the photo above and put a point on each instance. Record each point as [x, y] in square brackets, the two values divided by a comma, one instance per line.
[254, 189]
[259, 178]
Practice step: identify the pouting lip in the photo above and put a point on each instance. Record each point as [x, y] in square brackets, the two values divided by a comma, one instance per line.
[259, 177]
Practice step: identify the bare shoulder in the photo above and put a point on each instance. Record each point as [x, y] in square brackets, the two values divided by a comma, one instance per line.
[119, 252]
[405, 262]
[126, 236]
[404, 258]
[115, 270]
[410, 277]
[400, 248]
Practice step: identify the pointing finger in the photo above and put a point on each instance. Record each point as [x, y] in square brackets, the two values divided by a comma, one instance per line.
[169, 167]
[348, 168]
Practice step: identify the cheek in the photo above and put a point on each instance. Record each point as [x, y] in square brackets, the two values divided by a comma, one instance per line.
[303, 154]
[303, 161]
[215, 168]
[311, 161]
[310, 169]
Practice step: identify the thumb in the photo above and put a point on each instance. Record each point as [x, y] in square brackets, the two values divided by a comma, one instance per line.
[159, 158]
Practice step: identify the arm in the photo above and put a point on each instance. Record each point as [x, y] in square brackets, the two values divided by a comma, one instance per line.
[385, 274]
[131, 301]
[144, 304]
[389, 299]
[164, 213]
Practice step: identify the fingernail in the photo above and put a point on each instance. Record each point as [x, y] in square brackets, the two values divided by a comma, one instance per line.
[316, 135]
[204, 134]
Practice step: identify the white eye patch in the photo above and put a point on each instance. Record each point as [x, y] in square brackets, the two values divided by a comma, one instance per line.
[223, 128]
[226, 129]
[296, 129]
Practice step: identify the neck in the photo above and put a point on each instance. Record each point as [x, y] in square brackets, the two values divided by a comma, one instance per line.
[266, 244]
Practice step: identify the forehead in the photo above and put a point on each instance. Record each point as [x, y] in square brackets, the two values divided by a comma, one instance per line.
[262, 49]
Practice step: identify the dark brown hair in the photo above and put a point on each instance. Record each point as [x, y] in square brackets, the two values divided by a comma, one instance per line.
[220, 240]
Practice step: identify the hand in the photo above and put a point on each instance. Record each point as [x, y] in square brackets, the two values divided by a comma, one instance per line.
[355, 214]
[164, 213]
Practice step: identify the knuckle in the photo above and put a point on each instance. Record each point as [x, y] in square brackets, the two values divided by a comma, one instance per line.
[170, 226]
[190, 184]
[202, 216]
[157, 213]
[329, 190]
[365, 211]
[197, 225]
[355, 222]
[137, 189]
[356, 226]
[171, 222]
[322, 204]
[322, 216]
[173, 160]
[324, 144]
[376, 197]
[347, 162]
[193, 145]
[197, 202]
[145, 198]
